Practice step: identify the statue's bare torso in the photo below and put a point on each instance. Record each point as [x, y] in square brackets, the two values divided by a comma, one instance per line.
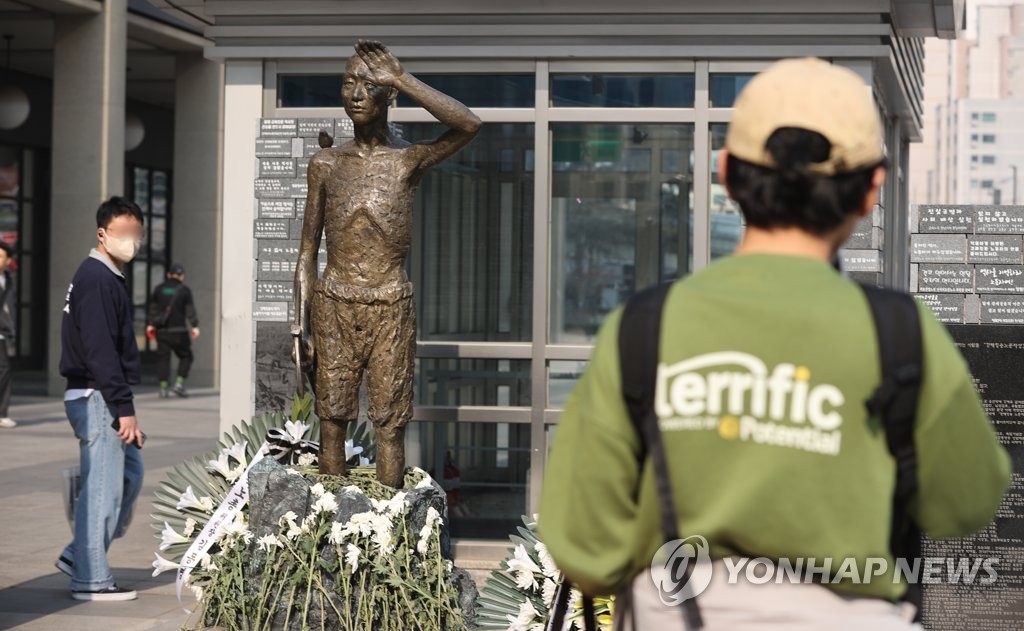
[367, 213]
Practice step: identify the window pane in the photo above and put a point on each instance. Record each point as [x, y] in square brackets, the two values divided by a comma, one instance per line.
[726, 220]
[141, 188]
[479, 90]
[452, 382]
[160, 192]
[472, 253]
[725, 88]
[157, 244]
[10, 171]
[577, 90]
[482, 466]
[562, 378]
[621, 218]
[309, 90]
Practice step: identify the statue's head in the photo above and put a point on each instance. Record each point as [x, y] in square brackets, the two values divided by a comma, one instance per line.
[364, 100]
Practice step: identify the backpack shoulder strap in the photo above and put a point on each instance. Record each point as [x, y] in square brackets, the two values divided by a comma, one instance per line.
[900, 351]
[639, 352]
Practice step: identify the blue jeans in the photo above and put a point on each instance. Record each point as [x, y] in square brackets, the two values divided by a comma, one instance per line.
[111, 481]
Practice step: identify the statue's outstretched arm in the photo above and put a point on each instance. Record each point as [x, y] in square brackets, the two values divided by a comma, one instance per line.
[462, 123]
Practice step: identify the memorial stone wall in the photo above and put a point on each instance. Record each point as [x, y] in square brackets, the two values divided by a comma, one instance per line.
[861, 256]
[283, 149]
[967, 264]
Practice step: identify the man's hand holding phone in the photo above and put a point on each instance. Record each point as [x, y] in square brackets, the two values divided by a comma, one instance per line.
[127, 427]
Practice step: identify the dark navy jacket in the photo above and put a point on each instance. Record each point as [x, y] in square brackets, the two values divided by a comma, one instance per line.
[98, 348]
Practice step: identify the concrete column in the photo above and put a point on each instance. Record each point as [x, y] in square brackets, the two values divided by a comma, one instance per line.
[243, 107]
[88, 145]
[196, 216]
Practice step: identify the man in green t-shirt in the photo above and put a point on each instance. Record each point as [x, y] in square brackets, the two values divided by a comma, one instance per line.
[766, 360]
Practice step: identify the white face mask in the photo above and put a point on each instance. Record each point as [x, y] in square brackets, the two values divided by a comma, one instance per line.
[123, 249]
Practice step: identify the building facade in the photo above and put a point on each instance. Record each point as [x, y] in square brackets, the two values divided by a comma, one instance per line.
[592, 177]
[974, 105]
[99, 99]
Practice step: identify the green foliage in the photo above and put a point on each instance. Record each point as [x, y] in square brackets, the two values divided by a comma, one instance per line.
[522, 591]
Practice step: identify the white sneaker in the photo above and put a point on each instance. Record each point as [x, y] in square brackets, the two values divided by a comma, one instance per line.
[7, 423]
[111, 593]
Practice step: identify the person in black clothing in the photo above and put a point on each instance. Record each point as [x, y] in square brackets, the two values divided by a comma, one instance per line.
[100, 360]
[172, 322]
[8, 307]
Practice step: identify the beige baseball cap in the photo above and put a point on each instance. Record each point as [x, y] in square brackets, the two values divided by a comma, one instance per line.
[810, 94]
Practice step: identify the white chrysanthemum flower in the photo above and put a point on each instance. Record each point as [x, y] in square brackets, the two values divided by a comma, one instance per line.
[307, 460]
[422, 546]
[190, 527]
[433, 517]
[397, 505]
[547, 563]
[206, 562]
[337, 536]
[352, 488]
[380, 506]
[188, 499]
[291, 471]
[326, 504]
[426, 482]
[351, 450]
[523, 569]
[267, 542]
[448, 565]
[197, 591]
[364, 462]
[549, 592]
[421, 471]
[288, 517]
[360, 524]
[296, 430]
[170, 536]
[317, 489]
[161, 565]
[237, 451]
[352, 558]
[382, 534]
[524, 620]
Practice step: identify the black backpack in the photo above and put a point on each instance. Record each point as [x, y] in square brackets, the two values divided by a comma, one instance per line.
[898, 331]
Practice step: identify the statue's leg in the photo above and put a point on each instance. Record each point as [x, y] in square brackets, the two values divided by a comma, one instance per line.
[339, 372]
[332, 446]
[389, 375]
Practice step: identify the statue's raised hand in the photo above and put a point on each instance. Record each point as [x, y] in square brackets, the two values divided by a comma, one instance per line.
[384, 66]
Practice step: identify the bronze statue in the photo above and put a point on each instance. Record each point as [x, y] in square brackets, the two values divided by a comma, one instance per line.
[360, 316]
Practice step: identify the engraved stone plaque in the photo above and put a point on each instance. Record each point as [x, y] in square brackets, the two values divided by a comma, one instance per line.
[270, 311]
[299, 188]
[277, 167]
[343, 128]
[310, 127]
[273, 291]
[945, 219]
[945, 278]
[1000, 279]
[946, 307]
[994, 248]
[273, 147]
[277, 250]
[277, 208]
[278, 128]
[861, 260]
[276, 269]
[272, 187]
[311, 146]
[938, 248]
[999, 220]
[272, 229]
[1002, 309]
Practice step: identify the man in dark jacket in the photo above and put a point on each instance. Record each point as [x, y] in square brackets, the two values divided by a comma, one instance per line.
[172, 322]
[8, 307]
[100, 359]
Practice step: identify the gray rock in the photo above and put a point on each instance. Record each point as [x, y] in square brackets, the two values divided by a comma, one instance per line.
[350, 503]
[468, 594]
[272, 493]
[419, 501]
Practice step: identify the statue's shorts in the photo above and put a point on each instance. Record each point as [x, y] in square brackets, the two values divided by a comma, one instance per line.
[357, 329]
